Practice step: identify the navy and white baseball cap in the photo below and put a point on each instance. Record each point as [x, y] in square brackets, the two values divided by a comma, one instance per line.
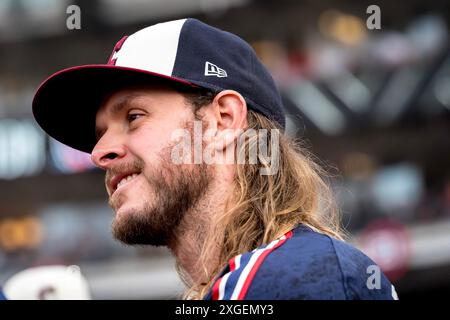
[185, 51]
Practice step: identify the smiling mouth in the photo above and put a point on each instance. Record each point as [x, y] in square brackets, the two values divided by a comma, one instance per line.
[125, 180]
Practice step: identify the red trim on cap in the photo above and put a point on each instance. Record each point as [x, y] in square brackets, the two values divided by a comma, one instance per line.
[116, 49]
[107, 66]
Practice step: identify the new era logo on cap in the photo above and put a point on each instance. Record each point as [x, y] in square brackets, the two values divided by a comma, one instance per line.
[213, 70]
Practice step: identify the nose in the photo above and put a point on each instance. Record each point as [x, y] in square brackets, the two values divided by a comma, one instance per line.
[107, 151]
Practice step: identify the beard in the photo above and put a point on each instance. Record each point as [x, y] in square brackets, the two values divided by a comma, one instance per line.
[176, 190]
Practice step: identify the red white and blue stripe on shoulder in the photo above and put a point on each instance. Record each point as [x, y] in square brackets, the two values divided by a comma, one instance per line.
[302, 264]
[235, 279]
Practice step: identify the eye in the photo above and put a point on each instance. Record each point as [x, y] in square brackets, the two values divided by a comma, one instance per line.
[133, 116]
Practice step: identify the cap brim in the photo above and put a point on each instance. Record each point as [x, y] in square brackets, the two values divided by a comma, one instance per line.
[66, 103]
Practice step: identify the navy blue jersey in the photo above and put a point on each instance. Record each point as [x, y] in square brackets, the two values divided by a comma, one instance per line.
[302, 264]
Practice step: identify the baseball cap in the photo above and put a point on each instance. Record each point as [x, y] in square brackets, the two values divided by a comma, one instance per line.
[186, 51]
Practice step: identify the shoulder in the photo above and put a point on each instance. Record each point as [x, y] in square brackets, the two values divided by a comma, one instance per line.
[361, 276]
[303, 265]
[235, 280]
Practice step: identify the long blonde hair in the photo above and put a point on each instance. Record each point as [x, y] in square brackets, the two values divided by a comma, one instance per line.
[264, 207]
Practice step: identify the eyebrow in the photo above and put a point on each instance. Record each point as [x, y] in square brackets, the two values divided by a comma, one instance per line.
[116, 108]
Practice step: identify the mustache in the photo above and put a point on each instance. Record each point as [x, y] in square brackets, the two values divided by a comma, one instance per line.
[136, 165]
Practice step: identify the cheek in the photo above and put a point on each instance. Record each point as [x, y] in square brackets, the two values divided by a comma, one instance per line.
[155, 136]
[148, 145]
[142, 189]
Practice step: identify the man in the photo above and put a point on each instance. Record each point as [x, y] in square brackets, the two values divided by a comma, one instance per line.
[260, 226]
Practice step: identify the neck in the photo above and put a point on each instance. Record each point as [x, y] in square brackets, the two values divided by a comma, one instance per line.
[191, 234]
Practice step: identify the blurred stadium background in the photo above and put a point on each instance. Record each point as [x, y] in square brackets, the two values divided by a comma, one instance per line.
[372, 104]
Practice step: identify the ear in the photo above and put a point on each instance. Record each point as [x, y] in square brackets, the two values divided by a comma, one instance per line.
[229, 114]
[231, 110]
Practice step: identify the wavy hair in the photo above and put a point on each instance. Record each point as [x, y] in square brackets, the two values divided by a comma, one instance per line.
[262, 208]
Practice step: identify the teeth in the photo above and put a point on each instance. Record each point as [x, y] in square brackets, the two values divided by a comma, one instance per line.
[126, 179]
